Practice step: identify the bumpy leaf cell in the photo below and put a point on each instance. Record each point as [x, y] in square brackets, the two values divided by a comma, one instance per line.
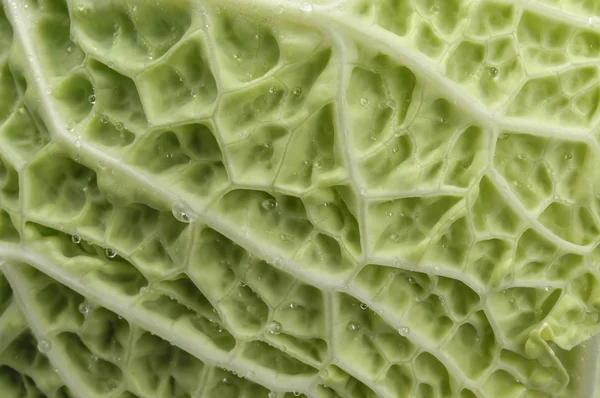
[359, 198]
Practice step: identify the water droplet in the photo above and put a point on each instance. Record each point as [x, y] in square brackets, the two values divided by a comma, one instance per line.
[293, 305]
[269, 204]
[182, 213]
[297, 91]
[104, 119]
[443, 120]
[324, 374]
[278, 9]
[306, 7]
[284, 237]
[84, 307]
[364, 102]
[92, 99]
[143, 290]
[394, 237]
[353, 326]
[364, 192]
[272, 394]
[101, 164]
[273, 90]
[363, 306]
[503, 136]
[317, 163]
[237, 57]
[77, 143]
[70, 125]
[243, 283]
[110, 253]
[412, 280]
[296, 393]
[568, 156]
[44, 346]
[548, 288]
[275, 327]
[404, 331]
[594, 20]
[395, 149]
[522, 156]
[119, 126]
[391, 103]
[83, 9]
[75, 239]
[117, 31]
[226, 381]
[493, 72]
[69, 48]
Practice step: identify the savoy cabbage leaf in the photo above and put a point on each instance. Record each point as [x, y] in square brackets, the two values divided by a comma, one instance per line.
[279, 198]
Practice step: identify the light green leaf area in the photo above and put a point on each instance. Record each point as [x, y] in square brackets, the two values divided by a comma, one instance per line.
[280, 198]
